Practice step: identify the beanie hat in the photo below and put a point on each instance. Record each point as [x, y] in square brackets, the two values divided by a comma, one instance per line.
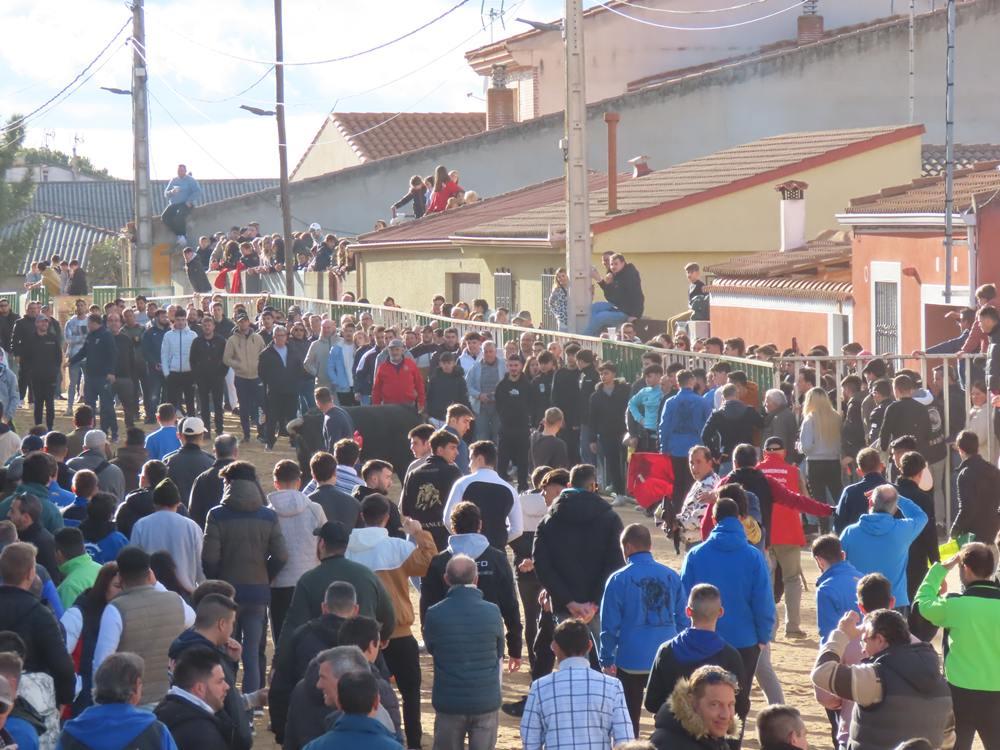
[166, 494]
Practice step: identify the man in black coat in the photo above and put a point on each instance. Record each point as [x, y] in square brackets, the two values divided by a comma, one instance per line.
[21, 330]
[206, 492]
[978, 492]
[731, 425]
[336, 504]
[515, 405]
[139, 504]
[292, 662]
[566, 396]
[606, 417]
[427, 487]
[622, 289]
[196, 272]
[7, 320]
[924, 550]
[209, 372]
[198, 681]
[126, 374]
[905, 416]
[43, 354]
[279, 366]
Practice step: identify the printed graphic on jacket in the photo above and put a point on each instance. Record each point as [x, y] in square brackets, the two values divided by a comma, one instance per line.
[428, 497]
[694, 508]
[655, 601]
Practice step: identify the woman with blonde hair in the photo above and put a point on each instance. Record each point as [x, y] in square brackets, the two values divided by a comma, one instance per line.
[559, 300]
[819, 442]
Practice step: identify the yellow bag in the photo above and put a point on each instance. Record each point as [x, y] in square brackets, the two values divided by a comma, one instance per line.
[948, 549]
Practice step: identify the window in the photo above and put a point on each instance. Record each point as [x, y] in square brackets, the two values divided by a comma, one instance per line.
[885, 317]
[503, 289]
[549, 322]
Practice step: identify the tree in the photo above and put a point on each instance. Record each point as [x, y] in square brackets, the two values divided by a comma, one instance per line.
[14, 196]
[104, 264]
[51, 157]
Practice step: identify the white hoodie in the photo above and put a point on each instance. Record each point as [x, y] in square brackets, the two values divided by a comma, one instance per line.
[298, 517]
[376, 550]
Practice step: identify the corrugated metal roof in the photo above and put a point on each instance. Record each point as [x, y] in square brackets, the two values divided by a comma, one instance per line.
[70, 240]
[109, 204]
[815, 254]
[926, 195]
[839, 291]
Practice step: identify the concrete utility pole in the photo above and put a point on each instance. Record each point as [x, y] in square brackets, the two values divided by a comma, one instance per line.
[139, 272]
[949, 153]
[913, 61]
[578, 249]
[279, 108]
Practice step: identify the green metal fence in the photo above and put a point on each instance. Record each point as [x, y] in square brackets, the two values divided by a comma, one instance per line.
[105, 294]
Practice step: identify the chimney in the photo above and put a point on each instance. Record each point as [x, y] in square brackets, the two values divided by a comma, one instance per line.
[499, 100]
[810, 24]
[640, 166]
[612, 119]
[793, 214]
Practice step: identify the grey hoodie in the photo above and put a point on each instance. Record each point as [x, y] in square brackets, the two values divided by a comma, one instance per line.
[298, 517]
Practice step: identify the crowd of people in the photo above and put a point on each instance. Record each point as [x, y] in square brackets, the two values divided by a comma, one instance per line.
[141, 576]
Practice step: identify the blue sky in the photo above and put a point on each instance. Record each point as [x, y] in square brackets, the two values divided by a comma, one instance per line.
[47, 44]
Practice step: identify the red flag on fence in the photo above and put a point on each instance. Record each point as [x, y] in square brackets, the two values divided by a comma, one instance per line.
[650, 478]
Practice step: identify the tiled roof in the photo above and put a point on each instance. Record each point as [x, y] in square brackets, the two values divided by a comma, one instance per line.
[838, 291]
[710, 176]
[926, 195]
[456, 221]
[815, 255]
[109, 204]
[965, 156]
[70, 240]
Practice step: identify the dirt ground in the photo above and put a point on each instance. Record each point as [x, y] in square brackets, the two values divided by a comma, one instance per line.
[792, 658]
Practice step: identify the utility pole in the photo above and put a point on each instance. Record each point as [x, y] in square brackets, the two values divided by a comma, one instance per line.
[949, 153]
[279, 109]
[913, 61]
[139, 271]
[578, 248]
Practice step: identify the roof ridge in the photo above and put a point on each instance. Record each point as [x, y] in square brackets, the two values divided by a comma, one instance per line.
[56, 217]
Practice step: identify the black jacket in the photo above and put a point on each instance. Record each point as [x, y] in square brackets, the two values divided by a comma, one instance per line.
[138, 505]
[197, 276]
[307, 713]
[577, 520]
[992, 359]
[590, 378]
[624, 291]
[184, 466]
[125, 363]
[206, 492]
[43, 356]
[45, 546]
[496, 581]
[730, 425]
[852, 435]
[923, 549]
[78, 283]
[7, 329]
[542, 395]
[445, 390]
[337, 505]
[278, 377]
[192, 727]
[206, 359]
[905, 417]
[668, 669]
[978, 500]
[292, 662]
[607, 411]
[515, 404]
[753, 480]
[875, 420]
[425, 493]
[45, 648]
[21, 330]
[566, 395]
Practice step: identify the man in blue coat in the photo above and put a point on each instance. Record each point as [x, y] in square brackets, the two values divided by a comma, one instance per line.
[182, 192]
[101, 353]
[739, 571]
[464, 634]
[880, 543]
[837, 586]
[683, 418]
[853, 501]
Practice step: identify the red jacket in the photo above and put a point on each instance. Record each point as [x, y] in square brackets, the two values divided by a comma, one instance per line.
[439, 198]
[786, 523]
[400, 384]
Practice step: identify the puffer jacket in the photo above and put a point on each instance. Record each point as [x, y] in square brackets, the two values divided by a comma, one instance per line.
[243, 542]
[243, 353]
[393, 561]
[679, 727]
[298, 517]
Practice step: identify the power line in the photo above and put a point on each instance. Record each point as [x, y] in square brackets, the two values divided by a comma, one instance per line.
[351, 56]
[693, 12]
[239, 93]
[701, 28]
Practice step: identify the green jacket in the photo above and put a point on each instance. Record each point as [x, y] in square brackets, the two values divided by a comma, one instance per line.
[51, 518]
[373, 599]
[972, 621]
[79, 574]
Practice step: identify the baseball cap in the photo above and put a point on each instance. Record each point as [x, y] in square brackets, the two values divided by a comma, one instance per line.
[774, 443]
[396, 344]
[192, 426]
[315, 227]
[333, 534]
[241, 316]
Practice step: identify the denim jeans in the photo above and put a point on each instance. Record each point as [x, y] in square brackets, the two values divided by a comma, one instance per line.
[306, 390]
[103, 390]
[250, 622]
[450, 730]
[604, 315]
[488, 423]
[152, 391]
[75, 379]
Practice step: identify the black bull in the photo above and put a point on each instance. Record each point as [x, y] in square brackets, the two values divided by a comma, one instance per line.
[384, 431]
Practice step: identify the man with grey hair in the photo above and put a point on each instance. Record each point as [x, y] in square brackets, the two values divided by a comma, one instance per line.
[464, 634]
[115, 721]
[95, 457]
[206, 492]
[333, 664]
[880, 543]
[279, 366]
[779, 420]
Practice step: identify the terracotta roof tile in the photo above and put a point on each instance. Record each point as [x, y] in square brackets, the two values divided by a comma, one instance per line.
[965, 156]
[816, 254]
[839, 291]
[665, 189]
[377, 135]
[926, 195]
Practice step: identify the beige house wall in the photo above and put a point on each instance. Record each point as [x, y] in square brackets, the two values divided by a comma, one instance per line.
[330, 152]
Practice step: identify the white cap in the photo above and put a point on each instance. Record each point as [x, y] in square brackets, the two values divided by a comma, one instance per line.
[192, 426]
[95, 439]
[315, 227]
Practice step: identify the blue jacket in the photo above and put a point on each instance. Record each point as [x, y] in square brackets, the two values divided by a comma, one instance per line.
[112, 726]
[684, 416]
[100, 352]
[951, 346]
[162, 442]
[337, 425]
[190, 190]
[352, 732]
[462, 461]
[739, 571]
[643, 606]
[336, 370]
[644, 406]
[151, 344]
[879, 543]
[853, 503]
[464, 634]
[836, 595]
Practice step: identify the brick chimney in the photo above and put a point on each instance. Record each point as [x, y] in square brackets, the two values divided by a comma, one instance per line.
[810, 24]
[793, 214]
[499, 100]
[640, 166]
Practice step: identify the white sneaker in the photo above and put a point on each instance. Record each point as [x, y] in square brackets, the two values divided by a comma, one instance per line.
[619, 501]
